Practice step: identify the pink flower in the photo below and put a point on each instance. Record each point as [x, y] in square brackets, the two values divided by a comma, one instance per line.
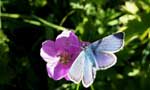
[60, 54]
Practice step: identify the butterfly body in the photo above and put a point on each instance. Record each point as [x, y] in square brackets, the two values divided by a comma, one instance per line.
[98, 55]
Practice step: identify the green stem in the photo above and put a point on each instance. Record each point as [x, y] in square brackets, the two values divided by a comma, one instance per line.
[78, 85]
[30, 20]
[49, 24]
[64, 19]
[92, 88]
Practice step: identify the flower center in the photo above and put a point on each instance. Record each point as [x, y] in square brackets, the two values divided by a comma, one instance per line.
[64, 57]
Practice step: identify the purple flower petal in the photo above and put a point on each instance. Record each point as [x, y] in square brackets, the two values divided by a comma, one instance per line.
[61, 44]
[73, 39]
[67, 77]
[50, 69]
[49, 47]
[48, 51]
[65, 33]
[67, 40]
[61, 71]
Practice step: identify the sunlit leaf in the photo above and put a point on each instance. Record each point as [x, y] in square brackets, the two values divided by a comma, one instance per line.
[130, 7]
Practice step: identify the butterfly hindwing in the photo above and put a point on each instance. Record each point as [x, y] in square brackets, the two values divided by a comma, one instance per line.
[105, 60]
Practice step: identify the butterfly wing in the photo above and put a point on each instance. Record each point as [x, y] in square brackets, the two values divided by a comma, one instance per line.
[89, 72]
[76, 71]
[105, 60]
[112, 43]
[103, 50]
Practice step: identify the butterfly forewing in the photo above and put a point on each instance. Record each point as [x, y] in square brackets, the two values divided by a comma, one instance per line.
[76, 71]
[89, 72]
[111, 43]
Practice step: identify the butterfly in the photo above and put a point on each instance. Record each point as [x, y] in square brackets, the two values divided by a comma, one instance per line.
[98, 55]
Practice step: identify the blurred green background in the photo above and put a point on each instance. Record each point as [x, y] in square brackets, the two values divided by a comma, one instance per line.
[25, 24]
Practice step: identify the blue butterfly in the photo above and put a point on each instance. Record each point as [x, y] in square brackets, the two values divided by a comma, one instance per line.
[96, 56]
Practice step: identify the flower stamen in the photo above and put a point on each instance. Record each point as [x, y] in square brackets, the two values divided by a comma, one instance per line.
[64, 57]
